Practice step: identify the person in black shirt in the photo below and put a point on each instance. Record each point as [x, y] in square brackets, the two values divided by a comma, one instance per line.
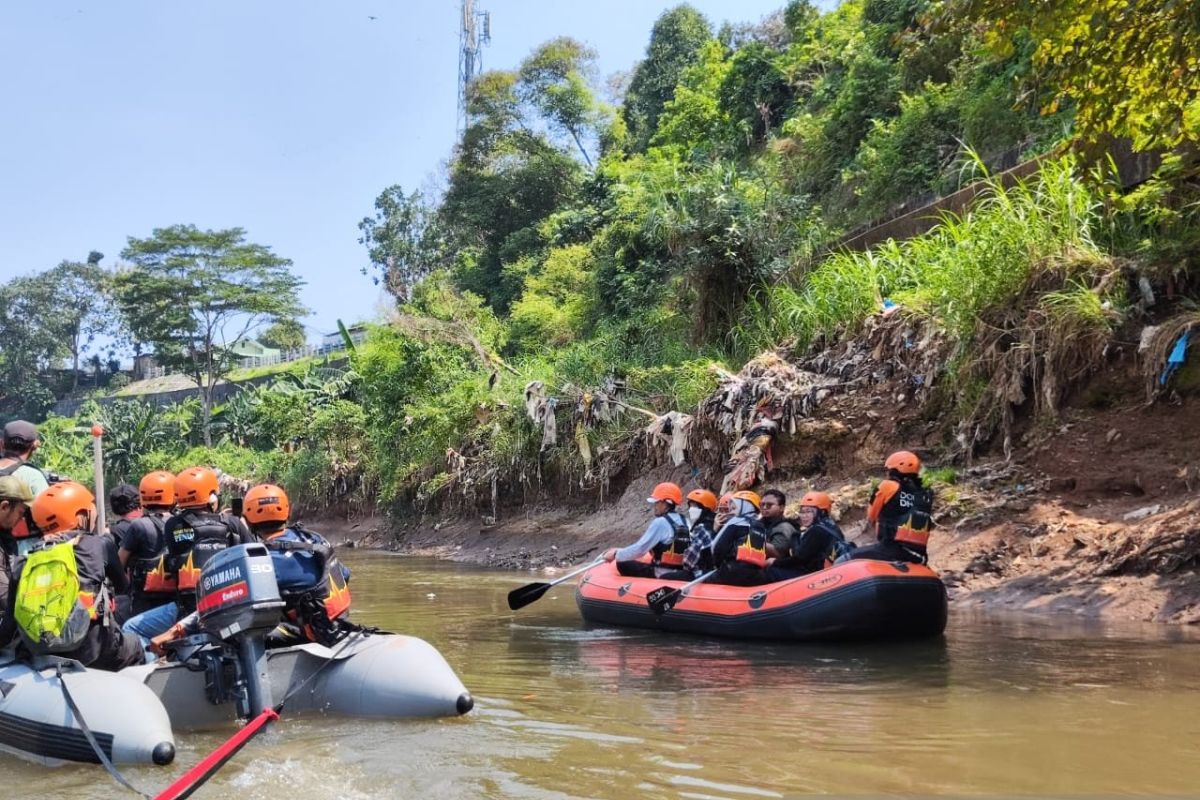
[814, 548]
[143, 545]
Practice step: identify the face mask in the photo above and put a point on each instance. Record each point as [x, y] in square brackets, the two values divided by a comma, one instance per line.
[694, 514]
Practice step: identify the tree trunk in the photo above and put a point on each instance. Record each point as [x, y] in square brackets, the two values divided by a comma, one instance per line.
[75, 370]
[206, 394]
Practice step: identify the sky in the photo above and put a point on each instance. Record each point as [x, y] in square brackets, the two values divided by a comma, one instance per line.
[283, 117]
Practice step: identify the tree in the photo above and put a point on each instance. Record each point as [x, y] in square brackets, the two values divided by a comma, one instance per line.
[556, 80]
[401, 240]
[1130, 69]
[81, 292]
[675, 44]
[284, 334]
[31, 342]
[508, 177]
[192, 293]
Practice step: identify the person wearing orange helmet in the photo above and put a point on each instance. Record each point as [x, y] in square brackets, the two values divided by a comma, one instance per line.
[666, 538]
[815, 546]
[312, 582]
[740, 549]
[143, 546]
[70, 555]
[723, 511]
[195, 533]
[901, 509]
[697, 558]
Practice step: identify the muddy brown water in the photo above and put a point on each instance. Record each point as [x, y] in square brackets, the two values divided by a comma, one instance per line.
[999, 706]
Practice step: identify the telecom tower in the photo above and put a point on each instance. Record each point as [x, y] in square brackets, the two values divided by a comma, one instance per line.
[476, 31]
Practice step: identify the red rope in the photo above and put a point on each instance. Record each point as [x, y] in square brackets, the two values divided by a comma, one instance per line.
[195, 777]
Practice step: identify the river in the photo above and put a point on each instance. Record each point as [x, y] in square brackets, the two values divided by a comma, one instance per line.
[1000, 706]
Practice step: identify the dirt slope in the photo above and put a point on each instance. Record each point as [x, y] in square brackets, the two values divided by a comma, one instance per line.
[1096, 513]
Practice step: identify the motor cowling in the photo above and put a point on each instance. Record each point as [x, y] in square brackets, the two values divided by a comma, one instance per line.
[237, 594]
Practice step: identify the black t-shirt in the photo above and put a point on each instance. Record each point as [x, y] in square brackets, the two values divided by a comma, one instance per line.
[143, 538]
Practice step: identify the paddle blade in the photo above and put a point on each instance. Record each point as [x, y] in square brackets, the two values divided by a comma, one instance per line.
[519, 598]
[662, 599]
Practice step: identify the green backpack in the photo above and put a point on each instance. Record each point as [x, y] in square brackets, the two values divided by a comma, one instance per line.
[49, 610]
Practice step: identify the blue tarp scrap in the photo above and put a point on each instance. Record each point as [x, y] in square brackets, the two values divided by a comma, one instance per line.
[1175, 360]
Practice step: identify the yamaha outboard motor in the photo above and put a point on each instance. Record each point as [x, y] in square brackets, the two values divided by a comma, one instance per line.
[239, 602]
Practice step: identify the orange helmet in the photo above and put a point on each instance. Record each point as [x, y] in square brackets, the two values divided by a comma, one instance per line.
[723, 503]
[904, 462]
[56, 509]
[704, 498]
[266, 503]
[157, 489]
[195, 486]
[818, 500]
[751, 496]
[668, 492]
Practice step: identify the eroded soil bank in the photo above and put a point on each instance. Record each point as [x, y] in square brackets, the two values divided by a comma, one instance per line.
[1096, 514]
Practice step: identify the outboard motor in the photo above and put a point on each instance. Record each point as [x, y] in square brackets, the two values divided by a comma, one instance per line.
[238, 601]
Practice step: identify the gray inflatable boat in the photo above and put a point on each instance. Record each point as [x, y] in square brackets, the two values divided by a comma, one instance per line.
[227, 673]
[382, 676]
[36, 723]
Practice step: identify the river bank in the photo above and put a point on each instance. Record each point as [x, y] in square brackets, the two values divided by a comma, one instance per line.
[1098, 517]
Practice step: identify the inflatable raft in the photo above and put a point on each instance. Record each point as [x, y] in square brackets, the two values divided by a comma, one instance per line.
[227, 673]
[380, 676]
[36, 723]
[855, 600]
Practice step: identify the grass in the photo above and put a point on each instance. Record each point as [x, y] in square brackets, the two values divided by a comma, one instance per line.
[968, 264]
[940, 476]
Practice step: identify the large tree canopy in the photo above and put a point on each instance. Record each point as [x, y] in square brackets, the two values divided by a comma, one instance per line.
[193, 293]
[402, 240]
[675, 44]
[83, 308]
[31, 341]
[514, 167]
[1131, 69]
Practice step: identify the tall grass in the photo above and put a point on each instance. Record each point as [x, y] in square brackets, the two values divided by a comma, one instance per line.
[968, 264]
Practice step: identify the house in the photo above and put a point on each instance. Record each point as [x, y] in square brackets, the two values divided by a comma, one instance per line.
[251, 348]
[333, 341]
[144, 366]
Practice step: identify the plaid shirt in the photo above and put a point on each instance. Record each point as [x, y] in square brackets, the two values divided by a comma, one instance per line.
[702, 539]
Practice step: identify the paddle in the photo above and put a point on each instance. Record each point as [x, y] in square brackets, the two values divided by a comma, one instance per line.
[519, 598]
[664, 598]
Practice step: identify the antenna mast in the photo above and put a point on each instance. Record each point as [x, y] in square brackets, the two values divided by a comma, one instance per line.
[475, 30]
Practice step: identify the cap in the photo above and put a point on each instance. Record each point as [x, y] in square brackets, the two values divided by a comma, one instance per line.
[13, 488]
[20, 430]
[124, 498]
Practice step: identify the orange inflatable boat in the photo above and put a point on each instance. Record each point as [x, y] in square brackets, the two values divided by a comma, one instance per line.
[855, 600]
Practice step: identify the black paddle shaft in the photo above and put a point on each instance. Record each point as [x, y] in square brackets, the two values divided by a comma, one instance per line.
[519, 598]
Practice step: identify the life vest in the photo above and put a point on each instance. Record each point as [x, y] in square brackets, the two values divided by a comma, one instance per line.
[148, 573]
[835, 542]
[751, 546]
[671, 555]
[56, 601]
[905, 517]
[193, 537]
[318, 593]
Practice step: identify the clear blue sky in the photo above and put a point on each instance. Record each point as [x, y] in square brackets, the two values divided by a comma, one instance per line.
[284, 118]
